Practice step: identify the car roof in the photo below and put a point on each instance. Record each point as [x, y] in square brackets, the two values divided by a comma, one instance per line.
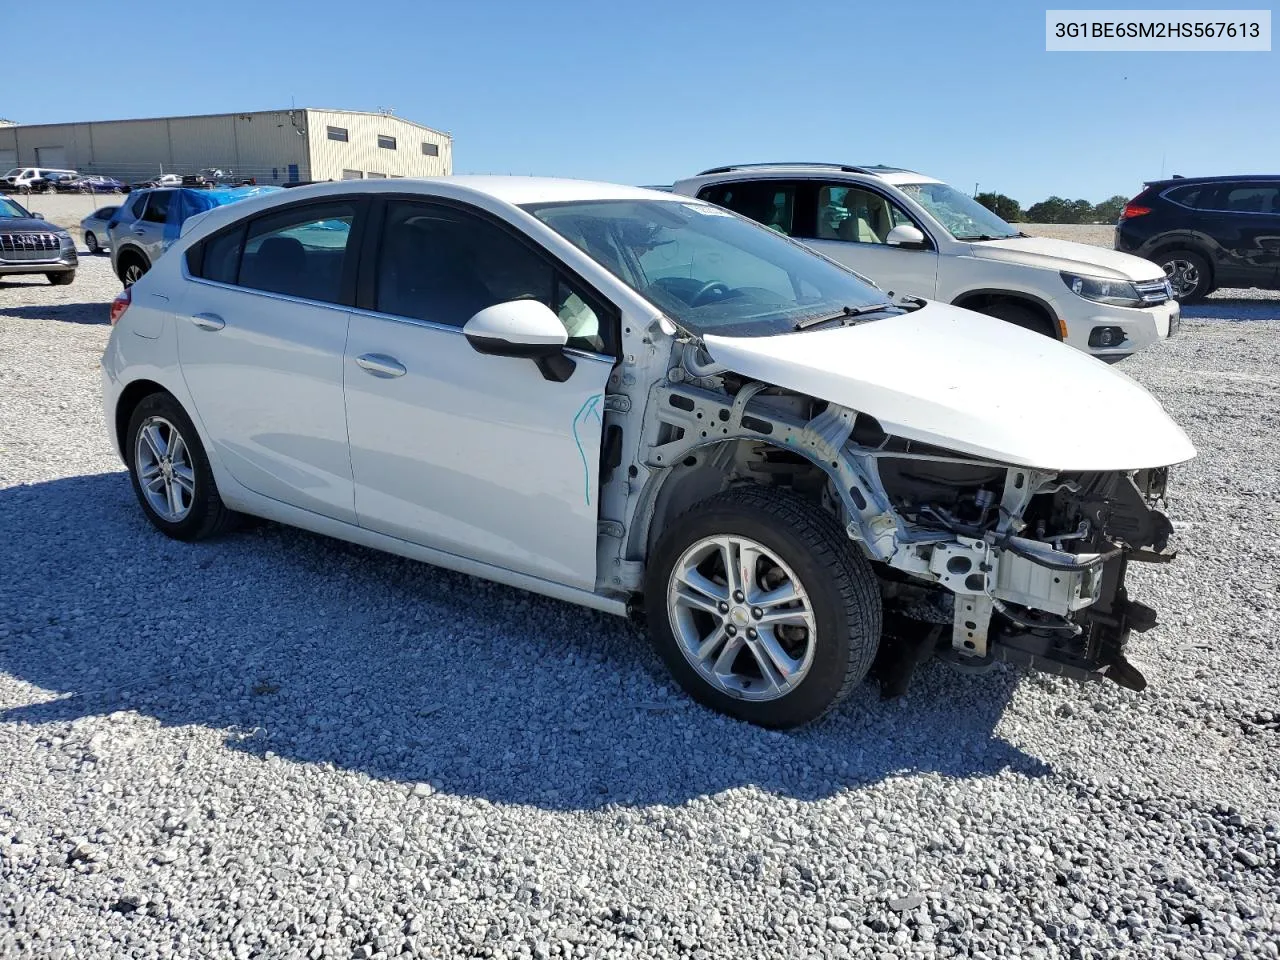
[1216, 178]
[513, 190]
[808, 170]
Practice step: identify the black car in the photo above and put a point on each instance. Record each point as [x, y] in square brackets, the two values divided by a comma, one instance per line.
[1207, 232]
[31, 245]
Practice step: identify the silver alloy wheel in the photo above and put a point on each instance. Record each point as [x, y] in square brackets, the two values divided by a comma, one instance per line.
[165, 473]
[1183, 275]
[132, 274]
[741, 618]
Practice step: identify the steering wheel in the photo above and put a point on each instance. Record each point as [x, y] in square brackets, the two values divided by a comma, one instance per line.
[715, 286]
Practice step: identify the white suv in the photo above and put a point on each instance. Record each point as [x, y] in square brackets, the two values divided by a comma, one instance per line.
[917, 236]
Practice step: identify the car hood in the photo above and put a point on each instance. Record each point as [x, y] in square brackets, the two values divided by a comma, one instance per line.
[960, 380]
[26, 225]
[1081, 258]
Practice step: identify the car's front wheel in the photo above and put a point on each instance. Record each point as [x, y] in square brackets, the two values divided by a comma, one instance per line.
[1189, 274]
[170, 471]
[761, 606]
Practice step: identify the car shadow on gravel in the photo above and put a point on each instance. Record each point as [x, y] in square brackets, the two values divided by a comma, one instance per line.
[63, 312]
[323, 652]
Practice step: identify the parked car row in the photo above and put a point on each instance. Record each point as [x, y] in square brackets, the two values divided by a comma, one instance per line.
[648, 404]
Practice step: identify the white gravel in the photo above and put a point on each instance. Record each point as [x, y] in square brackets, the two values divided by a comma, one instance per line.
[280, 745]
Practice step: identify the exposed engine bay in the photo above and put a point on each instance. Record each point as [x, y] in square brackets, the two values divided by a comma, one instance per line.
[979, 561]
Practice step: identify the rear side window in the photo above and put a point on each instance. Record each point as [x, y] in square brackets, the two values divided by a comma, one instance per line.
[300, 252]
[137, 206]
[158, 207]
[219, 256]
[1187, 196]
[768, 202]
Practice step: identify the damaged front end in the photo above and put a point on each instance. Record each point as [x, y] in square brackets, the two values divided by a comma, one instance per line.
[1034, 565]
[979, 561]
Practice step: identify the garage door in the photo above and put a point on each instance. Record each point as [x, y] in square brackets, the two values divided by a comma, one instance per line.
[51, 156]
[8, 158]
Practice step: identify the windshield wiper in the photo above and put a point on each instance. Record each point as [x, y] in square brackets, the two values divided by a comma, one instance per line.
[846, 313]
[987, 236]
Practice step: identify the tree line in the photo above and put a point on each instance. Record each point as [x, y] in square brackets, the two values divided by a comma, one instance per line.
[1054, 210]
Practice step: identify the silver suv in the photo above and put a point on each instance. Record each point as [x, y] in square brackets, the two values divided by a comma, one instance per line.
[141, 231]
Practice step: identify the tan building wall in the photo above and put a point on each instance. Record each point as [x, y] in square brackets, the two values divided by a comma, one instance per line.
[360, 153]
[264, 145]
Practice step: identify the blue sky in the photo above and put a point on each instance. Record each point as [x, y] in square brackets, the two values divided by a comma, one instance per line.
[649, 92]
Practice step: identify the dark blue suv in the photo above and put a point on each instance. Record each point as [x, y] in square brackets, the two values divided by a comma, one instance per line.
[1207, 232]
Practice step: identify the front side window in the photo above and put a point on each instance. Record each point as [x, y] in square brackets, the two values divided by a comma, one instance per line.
[855, 214]
[708, 270]
[445, 265]
[300, 252]
[962, 216]
[158, 207]
[386, 143]
[764, 201]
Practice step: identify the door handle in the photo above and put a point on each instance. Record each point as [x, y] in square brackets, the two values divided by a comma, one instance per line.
[208, 321]
[380, 365]
[139, 233]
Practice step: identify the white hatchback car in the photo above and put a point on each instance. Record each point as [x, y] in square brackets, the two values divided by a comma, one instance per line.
[645, 404]
[917, 236]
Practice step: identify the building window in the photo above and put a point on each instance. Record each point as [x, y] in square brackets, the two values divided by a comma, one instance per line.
[386, 143]
[376, 176]
[352, 175]
[431, 149]
[337, 133]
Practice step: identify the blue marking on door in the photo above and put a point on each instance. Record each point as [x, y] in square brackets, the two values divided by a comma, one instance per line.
[590, 409]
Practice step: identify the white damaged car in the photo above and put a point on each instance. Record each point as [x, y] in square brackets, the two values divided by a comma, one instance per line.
[645, 404]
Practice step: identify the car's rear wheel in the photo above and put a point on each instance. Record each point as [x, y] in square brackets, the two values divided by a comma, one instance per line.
[61, 279]
[91, 241]
[1019, 316]
[170, 472]
[761, 606]
[1189, 274]
[132, 268]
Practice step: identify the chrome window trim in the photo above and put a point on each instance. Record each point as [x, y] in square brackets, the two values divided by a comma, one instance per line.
[372, 314]
[1164, 195]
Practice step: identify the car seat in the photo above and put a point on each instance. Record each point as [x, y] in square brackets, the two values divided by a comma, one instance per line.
[279, 265]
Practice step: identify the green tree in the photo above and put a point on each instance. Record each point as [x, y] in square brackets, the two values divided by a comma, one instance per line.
[1108, 211]
[1006, 208]
[1047, 211]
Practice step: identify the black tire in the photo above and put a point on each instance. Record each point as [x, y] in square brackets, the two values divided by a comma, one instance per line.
[207, 516]
[131, 268]
[91, 242]
[842, 588]
[1020, 316]
[1183, 267]
[61, 279]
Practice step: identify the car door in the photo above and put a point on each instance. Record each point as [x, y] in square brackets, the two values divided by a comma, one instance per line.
[1246, 217]
[476, 455]
[852, 224]
[261, 333]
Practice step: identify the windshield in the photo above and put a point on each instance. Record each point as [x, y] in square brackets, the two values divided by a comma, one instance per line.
[709, 270]
[964, 217]
[10, 209]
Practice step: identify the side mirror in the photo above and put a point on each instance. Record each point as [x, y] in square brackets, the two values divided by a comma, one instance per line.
[522, 328]
[36, 216]
[907, 236]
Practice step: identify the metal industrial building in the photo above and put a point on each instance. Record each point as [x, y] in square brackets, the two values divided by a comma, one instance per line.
[271, 146]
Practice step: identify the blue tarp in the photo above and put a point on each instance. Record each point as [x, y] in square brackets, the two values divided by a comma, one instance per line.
[189, 201]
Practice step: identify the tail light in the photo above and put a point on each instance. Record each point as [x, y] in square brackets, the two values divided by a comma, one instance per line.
[120, 304]
[1133, 209]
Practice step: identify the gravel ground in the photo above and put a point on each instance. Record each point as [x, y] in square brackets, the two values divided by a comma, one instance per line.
[280, 745]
